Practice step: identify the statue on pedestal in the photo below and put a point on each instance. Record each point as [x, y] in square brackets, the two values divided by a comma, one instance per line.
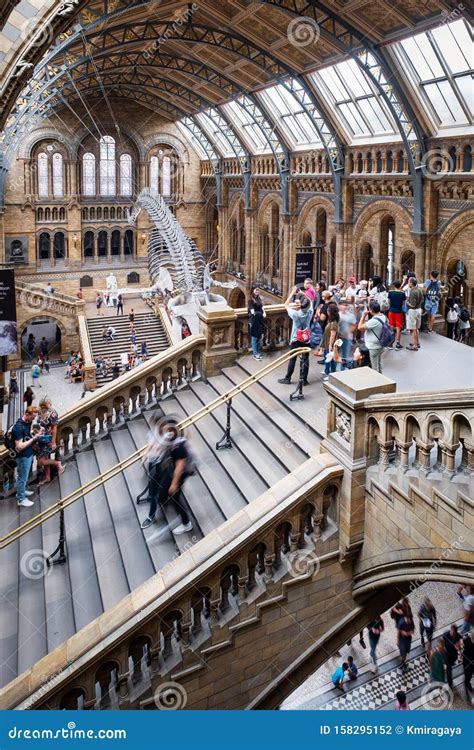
[112, 285]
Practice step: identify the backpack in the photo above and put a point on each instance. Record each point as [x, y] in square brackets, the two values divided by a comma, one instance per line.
[316, 334]
[387, 336]
[191, 461]
[9, 441]
[36, 371]
[464, 315]
[432, 291]
[452, 315]
[383, 300]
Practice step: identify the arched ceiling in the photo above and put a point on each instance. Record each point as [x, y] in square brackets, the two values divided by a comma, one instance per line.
[191, 40]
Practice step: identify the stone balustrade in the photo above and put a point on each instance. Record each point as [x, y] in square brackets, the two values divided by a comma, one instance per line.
[58, 296]
[277, 329]
[89, 371]
[143, 386]
[181, 621]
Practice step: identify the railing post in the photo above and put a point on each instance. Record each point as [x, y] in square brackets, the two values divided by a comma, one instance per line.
[217, 324]
[225, 441]
[346, 439]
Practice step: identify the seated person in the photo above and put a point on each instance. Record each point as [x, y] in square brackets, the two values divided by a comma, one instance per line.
[338, 676]
[111, 333]
[352, 671]
[108, 365]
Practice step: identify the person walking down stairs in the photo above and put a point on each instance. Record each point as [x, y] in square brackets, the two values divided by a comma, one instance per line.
[168, 464]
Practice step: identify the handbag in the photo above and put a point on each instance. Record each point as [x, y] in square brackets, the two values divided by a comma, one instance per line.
[303, 335]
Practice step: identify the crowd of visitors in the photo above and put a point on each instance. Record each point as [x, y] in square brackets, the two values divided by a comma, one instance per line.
[455, 645]
[352, 323]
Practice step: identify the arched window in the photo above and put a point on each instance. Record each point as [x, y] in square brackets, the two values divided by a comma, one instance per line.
[88, 174]
[59, 246]
[43, 190]
[154, 175]
[128, 242]
[102, 244]
[166, 167]
[58, 188]
[115, 243]
[89, 245]
[107, 165]
[126, 174]
[44, 246]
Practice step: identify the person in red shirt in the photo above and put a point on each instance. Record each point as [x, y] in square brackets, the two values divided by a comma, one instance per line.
[309, 290]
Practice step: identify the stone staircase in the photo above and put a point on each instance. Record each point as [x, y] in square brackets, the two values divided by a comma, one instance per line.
[148, 328]
[108, 554]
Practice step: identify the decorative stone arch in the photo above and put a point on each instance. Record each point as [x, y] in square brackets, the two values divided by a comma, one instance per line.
[168, 140]
[449, 234]
[310, 205]
[265, 204]
[402, 218]
[29, 143]
[235, 298]
[399, 212]
[67, 325]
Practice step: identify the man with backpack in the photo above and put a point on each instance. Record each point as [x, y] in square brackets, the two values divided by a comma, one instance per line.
[169, 462]
[432, 288]
[20, 440]
[376, 333]
[414, 303]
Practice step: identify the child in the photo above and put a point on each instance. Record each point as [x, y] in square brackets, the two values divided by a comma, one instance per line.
[352, 671]
[401, 704]
[338, 676]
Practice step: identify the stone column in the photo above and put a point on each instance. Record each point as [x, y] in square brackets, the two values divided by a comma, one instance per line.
[251, 249]
[217, 323]
[346, 441]
[288, 254]
[224, 236]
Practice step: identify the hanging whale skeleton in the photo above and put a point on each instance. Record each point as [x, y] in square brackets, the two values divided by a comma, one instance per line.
[174, 262]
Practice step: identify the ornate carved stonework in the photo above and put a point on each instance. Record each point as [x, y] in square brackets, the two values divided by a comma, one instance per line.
[218, 336]
[343, 424]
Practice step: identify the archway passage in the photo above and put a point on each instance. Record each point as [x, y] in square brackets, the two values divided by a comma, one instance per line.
[41, 336]
[237, 298]
[457, 280]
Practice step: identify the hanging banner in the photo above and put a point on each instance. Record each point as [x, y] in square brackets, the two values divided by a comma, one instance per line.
[303, 267]
[8, 334]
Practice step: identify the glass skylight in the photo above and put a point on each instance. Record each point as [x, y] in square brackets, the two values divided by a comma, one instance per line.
[195, 143]
[360, 111]
[296, 124]
[216, 135]
[248, 129]
[440, 63]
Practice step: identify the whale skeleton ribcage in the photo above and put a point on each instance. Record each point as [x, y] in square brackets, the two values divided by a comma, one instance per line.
[169, 247]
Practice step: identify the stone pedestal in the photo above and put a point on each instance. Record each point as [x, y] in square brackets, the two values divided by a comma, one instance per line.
[349, 394]
[217, 324]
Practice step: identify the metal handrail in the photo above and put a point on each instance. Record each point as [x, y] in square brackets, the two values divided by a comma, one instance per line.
[48, 513]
